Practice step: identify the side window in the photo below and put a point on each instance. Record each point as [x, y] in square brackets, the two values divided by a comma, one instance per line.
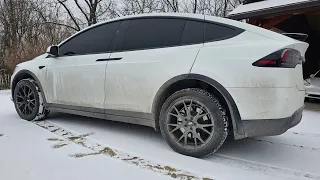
[118, 39]
[153, 33]
[94, 40]
[216, 32]
[193, 33]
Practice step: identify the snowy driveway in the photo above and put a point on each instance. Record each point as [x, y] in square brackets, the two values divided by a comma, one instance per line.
[74, 147]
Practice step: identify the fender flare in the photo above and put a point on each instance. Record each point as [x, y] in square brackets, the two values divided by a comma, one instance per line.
[238, 129]
[34, 77]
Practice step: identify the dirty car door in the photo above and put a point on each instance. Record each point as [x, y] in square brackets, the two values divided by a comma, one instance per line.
[77, 76]
[149, 53]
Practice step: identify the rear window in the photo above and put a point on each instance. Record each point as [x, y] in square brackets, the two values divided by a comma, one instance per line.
[193, 33]
[216, 32]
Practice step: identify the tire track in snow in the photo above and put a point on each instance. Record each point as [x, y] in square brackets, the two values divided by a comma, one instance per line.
[68, 137]
[264, 168]
[284, 144]
[306, 134]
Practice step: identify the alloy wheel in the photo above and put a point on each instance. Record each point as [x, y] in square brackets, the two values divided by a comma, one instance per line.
[190, 123]
[25, 100]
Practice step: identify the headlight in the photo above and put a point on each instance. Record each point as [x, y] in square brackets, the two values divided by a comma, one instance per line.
[307, 82]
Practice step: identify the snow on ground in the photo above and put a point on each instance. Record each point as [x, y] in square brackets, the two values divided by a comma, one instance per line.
[74, 147]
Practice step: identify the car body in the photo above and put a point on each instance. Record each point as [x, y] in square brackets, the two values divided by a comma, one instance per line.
[312, 86]
[133, 69]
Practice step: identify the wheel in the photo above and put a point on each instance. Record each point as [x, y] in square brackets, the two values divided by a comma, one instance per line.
[28, 101]
[193, 122]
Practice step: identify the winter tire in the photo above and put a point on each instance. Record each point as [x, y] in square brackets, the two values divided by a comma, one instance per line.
[193, 122]
[28, 100]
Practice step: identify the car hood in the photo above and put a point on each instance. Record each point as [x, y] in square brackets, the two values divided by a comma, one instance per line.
[41, 56]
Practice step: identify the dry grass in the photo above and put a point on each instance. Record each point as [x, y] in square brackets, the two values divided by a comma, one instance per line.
[15, 56]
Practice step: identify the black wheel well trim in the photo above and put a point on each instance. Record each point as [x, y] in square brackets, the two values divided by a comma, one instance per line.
[14, 82]
[237, 124]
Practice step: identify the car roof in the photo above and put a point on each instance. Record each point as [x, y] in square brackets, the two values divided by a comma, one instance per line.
[181, 15]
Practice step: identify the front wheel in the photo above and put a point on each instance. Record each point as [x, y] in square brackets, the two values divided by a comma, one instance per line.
[193, 122]
[28, 100]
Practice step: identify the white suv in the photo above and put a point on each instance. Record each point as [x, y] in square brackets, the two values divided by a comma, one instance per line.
[195, 78]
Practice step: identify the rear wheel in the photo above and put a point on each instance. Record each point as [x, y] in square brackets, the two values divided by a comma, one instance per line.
[193, 122]
[28, 101]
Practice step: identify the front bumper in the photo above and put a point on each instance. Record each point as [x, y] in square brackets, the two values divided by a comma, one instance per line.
[312, 96]
[312, 92]
[271, 127]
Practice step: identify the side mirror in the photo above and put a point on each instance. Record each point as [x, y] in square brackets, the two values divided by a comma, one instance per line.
[53, 51]
[312, 76]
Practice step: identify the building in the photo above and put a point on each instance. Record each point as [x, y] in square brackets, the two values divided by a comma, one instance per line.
[290, 16]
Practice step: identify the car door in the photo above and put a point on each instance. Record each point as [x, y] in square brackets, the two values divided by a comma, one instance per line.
[147, 53]
[77, 76]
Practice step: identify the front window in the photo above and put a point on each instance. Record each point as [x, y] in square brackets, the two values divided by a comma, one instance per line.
[92, 41]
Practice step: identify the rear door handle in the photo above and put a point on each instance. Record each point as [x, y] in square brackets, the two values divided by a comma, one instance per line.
[109, 59]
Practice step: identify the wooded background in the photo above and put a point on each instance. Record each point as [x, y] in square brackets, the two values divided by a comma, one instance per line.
[28, 27]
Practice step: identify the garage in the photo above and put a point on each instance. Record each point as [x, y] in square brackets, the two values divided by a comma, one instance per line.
[301, 17]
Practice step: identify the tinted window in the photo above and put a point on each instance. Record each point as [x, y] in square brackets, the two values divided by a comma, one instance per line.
[193, 33]
[318, 74]
[95, 40]
[152, 33]
[214, 32]
[118, 39]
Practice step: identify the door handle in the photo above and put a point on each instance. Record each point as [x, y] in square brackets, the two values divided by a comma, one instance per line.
[41, 67]
[109, 59]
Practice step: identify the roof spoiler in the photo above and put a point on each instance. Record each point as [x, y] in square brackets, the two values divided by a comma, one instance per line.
[298, 36]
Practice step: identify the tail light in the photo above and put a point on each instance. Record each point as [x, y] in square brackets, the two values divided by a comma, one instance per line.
[285, 58]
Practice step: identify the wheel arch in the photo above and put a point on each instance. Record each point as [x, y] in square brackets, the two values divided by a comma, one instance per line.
[24, 74]
[199, 81]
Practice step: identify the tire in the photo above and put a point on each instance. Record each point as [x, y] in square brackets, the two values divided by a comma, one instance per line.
[28, 101]
[212, 127]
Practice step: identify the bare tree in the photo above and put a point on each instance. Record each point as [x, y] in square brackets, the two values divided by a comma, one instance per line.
[83, 13]
[209, 7]
[171, 5]
[129, 7]
[23, 35]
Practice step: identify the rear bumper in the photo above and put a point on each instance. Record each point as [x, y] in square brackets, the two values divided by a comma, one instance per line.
[271, 127]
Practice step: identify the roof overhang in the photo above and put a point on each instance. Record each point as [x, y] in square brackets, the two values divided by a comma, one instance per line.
[272, 8]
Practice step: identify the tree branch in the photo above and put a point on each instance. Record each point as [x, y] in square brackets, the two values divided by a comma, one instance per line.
[71, 15]
[60, 24]
[89, 5]
[82, 11]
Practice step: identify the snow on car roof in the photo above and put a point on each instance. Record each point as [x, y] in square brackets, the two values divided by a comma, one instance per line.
[264, 5]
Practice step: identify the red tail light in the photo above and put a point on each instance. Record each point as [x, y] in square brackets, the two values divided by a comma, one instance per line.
[285, 58]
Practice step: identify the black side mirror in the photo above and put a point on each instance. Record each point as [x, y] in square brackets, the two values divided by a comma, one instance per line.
[53, 51]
